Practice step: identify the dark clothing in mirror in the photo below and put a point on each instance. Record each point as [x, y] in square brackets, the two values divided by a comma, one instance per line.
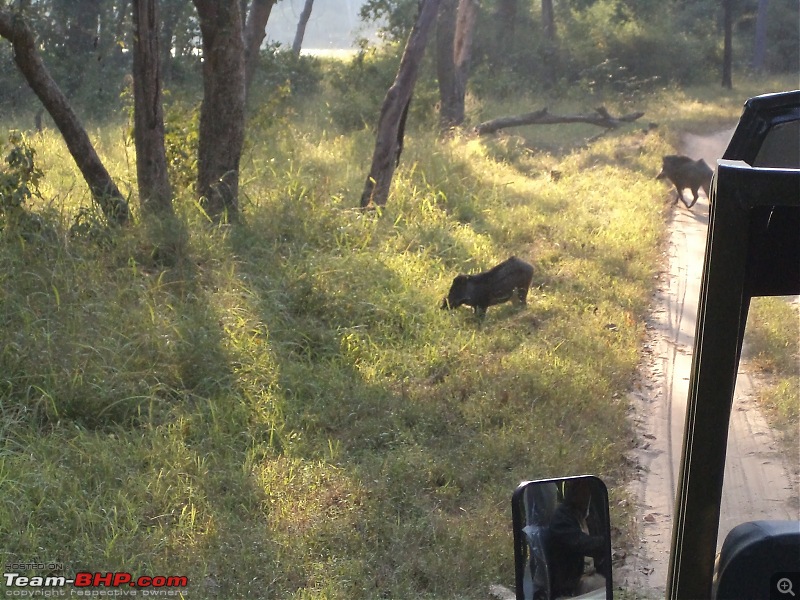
[571, 543]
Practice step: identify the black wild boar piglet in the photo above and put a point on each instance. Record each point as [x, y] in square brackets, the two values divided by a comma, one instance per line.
[498, 284]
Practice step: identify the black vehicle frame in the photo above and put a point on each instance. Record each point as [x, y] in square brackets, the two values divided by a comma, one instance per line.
[753, 249]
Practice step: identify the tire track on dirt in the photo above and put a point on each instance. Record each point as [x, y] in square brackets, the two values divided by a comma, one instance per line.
[757, 484]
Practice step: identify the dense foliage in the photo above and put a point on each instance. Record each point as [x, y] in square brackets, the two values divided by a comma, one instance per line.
[624, 44]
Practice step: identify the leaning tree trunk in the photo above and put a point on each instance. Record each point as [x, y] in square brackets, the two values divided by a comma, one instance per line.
[301, 27]
[222, 112]
[103, 189]
[391, 123]
[155, 194]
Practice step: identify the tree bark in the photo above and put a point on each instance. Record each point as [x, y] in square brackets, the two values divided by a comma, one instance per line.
[727, 53]
[601, 118]
[301, 27]
[104, 190]
[466, 18]
[504, 31]
[254, 34]
[222, 113]
[445, 65]
[388, 143]
[506, 15]
[760, 42]
[549, 42]
[155, 194]
[81, 40]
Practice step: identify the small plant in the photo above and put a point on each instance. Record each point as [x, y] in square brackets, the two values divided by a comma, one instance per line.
[19, 177]
[181, 140]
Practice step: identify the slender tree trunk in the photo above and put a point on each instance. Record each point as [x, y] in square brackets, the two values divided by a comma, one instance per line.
[389, 139]
[81, 40]
[167, 35]
[445, 66]
[549, 43]
[457, 23]
[506, 15]
[466, 19]
[727, 54]
[301, 27]
[254, 33]
[548, 21]
[504, 28]
[760, 42]
[222, 112]
[155, 194]
[103, 189]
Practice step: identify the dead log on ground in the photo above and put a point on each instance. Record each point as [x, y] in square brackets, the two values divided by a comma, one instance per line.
[600, 117]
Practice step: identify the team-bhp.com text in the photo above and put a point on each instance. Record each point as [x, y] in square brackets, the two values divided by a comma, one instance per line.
[92, 584]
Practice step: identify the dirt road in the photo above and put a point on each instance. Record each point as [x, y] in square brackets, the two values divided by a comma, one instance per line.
[757, 483]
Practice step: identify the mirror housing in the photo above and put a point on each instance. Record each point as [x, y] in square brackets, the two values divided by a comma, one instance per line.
[562, 539]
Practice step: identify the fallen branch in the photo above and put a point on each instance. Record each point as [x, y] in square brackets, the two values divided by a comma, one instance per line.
[600, 117]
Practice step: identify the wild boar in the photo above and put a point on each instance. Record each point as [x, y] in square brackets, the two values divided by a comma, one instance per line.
[495, 286]
[684, 173]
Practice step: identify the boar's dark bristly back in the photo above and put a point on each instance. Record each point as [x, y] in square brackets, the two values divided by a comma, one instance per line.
[498, 284]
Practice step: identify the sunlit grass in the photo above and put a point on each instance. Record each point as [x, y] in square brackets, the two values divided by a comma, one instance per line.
[772, 345]
[280, 409]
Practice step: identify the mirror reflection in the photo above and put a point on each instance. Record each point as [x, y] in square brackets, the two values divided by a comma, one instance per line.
[562, 542]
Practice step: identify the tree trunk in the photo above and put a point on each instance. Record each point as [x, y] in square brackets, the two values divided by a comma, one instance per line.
[506, 15]
[454, 34]
[466, 18]
[760, 42]
[103, 189]
[504, 27]
[167, 35]
[301, 27]
[727, 54]
[155, 194]
[548, 21]
[389, 139]
[222, 112]
[445, 65]
[254, 33]
[81, 40]
[549, 42]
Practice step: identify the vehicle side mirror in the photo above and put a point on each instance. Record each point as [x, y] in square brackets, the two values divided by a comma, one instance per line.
[562, 539]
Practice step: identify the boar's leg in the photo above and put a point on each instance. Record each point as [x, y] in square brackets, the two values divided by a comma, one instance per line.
[694, 200]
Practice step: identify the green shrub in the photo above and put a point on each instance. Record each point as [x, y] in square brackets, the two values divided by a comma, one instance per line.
[19, 176]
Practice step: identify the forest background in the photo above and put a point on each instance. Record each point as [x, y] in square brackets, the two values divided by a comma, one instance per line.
[265, 396]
